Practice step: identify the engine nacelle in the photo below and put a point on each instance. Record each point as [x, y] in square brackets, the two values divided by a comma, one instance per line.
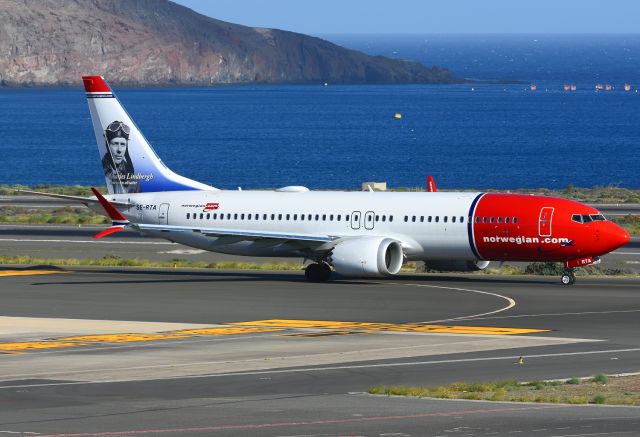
[367, 257]
[456, 265]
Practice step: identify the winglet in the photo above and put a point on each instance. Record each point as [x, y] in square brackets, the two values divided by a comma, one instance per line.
[118, 221]
[431, 185]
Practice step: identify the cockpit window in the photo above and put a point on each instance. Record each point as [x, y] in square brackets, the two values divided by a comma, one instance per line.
[586, 218]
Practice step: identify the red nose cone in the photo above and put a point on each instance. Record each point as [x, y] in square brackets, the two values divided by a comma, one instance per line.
[617, 237]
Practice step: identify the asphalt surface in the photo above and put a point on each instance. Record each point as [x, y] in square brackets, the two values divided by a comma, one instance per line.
[304, 379]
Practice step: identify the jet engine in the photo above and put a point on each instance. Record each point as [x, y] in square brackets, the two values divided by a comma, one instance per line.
[367, 257]
[455, 265]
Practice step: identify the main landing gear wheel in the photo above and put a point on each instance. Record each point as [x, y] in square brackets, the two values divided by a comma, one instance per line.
[317, 272]
[568, 278]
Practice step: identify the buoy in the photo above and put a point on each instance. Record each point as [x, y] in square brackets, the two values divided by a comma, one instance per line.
[397, 115]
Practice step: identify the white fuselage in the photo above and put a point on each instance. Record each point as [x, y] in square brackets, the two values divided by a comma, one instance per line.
[430, 225]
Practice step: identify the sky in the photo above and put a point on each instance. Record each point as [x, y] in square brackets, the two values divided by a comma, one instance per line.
[428, 16]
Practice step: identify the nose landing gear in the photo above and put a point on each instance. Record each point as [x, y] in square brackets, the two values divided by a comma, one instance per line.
[568, 277]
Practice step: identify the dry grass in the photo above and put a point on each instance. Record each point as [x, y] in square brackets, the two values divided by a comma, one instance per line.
[115, 261]
[600, 389]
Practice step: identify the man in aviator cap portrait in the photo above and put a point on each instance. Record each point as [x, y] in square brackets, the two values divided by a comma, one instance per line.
[116, 162]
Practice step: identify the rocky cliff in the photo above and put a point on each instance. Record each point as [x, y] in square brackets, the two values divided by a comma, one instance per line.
[157, 42]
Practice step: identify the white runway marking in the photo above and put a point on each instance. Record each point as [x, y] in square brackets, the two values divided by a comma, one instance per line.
[558, 314]
[324, 369]
[510, 302]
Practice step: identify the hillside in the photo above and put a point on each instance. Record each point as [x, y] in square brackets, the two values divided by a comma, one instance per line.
[157, 42]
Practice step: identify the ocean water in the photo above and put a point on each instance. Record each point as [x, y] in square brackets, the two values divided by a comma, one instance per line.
[337, 136]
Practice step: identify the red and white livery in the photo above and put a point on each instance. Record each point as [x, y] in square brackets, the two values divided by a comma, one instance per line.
[358, 234]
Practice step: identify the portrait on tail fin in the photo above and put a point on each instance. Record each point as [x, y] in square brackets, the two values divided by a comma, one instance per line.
[116, 162]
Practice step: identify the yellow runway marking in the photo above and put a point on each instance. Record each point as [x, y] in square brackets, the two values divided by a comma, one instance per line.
[31, 345]
[121, 338]
[225, 331]
[406, 327]
[29, 272]
[89, 340]
[323, 333]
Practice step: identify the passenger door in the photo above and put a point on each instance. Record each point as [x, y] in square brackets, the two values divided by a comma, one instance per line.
[544, 224]
[163, 214]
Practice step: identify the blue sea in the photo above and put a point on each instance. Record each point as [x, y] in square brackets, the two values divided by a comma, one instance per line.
[337, 136]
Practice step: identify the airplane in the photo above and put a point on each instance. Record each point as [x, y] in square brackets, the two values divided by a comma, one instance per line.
[356, 234]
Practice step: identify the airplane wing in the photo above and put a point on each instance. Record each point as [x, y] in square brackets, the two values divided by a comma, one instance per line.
[80, 199]
[241, 234]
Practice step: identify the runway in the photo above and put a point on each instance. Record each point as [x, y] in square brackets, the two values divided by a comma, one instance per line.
[192, 352]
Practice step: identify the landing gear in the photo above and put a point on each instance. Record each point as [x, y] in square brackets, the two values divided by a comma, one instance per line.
[317, 272]
[568, 278]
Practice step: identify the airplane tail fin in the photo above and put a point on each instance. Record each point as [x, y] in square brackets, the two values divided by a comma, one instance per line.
[130, 164]
[431, 185]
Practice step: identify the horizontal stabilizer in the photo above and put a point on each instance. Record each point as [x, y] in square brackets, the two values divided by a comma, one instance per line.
[79, 199]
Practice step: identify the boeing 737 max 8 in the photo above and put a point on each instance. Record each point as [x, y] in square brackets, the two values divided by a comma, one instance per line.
[358, 234]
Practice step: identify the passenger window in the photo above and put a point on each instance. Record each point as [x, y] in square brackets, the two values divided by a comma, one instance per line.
[241, 216]
[188, 215]
[413, 219]
[384, 218]
[301, 217]
[317, 217]
[445, 218]
[273, 216]
[477, 220]
[499, 219]
[377, 218]
[390, 218]
[235, 216]
[279, 216]
[331, 218]
[491, 220]
[453, 219]
[295, 217]
[201, 215]
[515, 220]
[437, 218]
[339, 216]
[484, 219]
[324, 217]
[406, 218]
[421, 219]
[461, 219]
[506, 220]
[288, 216]
[429, 219]
[249, 217]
